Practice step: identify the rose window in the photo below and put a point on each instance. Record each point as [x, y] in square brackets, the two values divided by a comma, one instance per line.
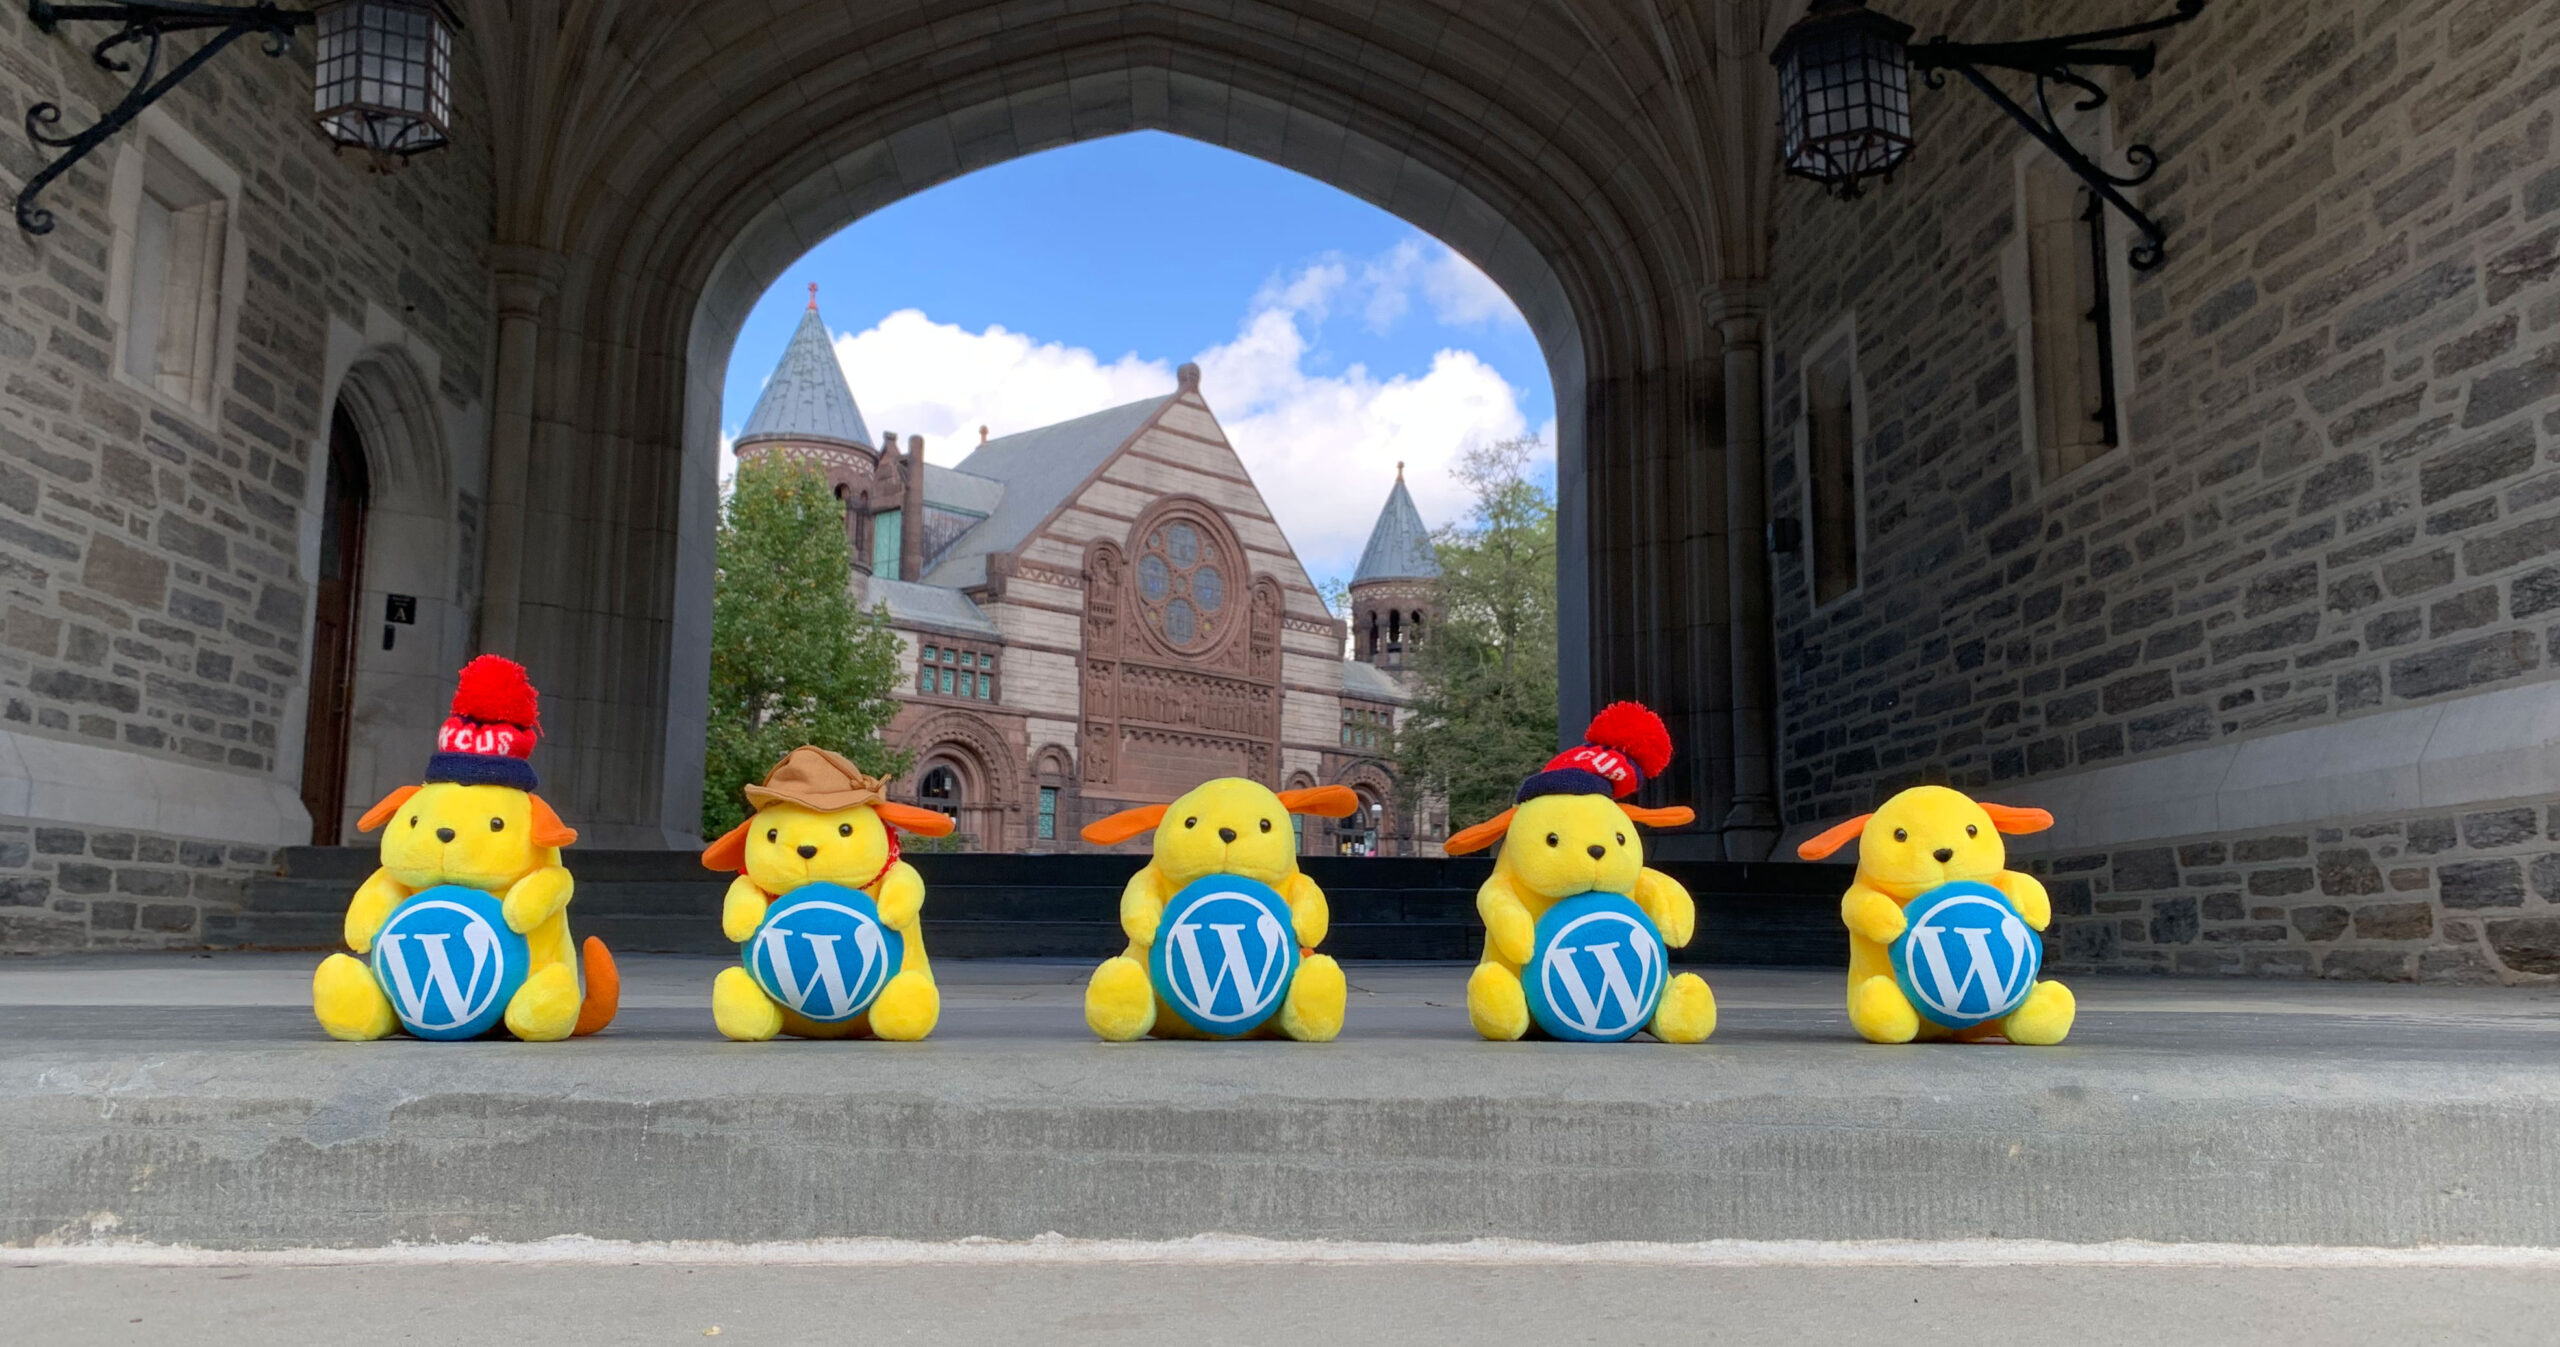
[1181, 586]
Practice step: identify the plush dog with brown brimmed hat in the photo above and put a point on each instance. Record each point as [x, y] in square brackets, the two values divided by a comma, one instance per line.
[821, 819]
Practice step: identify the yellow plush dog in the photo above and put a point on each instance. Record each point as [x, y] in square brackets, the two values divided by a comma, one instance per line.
[818, 819]
[1569, 835]
[1922, 838]
[477, 823]
[1229, 826]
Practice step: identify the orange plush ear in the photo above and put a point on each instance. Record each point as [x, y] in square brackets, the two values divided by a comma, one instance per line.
[1469, 840]
[921, 822]
[1815, 848]
[2013, 820]
[1672, 816]
[381, 813]
[729, 854]
[1124, 825]
[1322, 801]
[548, 830]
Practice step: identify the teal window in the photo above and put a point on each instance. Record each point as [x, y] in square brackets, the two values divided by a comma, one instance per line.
[946, 680]
[986, 687]
[884, 543]
[1048, 813]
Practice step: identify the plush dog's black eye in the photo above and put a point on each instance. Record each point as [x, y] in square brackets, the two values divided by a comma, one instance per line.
[1622, 839]
[1266, 825]
[844, 830]
[1552, 839]
[413, 820]
[773, 834]
[1902, 834]
[1191, 823]
[1972, 831]
[497, 825]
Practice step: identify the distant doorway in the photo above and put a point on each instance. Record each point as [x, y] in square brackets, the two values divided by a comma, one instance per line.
[333, 630]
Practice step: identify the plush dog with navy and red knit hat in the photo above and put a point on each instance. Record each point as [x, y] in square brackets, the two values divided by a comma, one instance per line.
[1577, 929]
[466, 926]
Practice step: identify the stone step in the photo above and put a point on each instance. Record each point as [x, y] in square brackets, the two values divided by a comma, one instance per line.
[179, 1100]
[1067, 906]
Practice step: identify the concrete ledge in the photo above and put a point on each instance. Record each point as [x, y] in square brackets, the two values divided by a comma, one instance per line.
[101, 787]
[2180, 1112]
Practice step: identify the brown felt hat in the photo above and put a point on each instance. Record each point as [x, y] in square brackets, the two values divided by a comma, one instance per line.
[814, 778]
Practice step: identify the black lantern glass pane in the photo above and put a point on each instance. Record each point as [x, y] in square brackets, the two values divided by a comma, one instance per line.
[1845, 95]
[384, 77]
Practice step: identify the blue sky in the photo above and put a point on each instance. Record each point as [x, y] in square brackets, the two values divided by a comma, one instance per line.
[1334, 338]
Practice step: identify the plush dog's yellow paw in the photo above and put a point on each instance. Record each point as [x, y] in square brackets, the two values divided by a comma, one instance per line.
[1118, 1003]
[1495, 1004]
[741, 1009]
[2046, 1017]
[1317, 995]
[1688, 1011]
[349, 1003]
[545, 1008]
[1881, 1013]
[907, 1009]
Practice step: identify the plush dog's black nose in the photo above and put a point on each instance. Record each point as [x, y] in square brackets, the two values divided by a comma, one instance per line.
[1226, 834]
[444, 834]
[1597, 851]
[807, 851]
[1944, 854]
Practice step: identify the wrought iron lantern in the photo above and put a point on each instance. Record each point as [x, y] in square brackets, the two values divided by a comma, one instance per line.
[1844, 94]
[1844, 97]
[385, 76]
[384, 80]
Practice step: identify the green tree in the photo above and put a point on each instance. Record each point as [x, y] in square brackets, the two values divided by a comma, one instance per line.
[1484, 715]
[793, 659]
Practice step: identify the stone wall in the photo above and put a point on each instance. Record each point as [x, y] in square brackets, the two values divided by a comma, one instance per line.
[2337, 497]
[154, 560]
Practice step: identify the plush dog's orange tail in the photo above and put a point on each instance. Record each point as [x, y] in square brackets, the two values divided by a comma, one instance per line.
[604, 988]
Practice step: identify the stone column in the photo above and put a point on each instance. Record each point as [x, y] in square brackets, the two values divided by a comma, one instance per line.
[1740, 310]
[525, 277]
[911, 521]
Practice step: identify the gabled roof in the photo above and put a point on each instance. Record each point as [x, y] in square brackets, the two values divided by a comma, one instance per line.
[919, 605]
[806, 399]
[1371, 683]
[1399, 546]
[1037, 470]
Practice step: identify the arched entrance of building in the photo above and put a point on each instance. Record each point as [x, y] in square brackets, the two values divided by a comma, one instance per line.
[336, 588]
[1605, 164]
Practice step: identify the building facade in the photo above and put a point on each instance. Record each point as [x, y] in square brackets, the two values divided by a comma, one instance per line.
[1101, 613]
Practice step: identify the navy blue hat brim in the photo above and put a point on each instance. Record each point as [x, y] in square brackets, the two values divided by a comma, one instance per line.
[1565, 781]
[482, 769]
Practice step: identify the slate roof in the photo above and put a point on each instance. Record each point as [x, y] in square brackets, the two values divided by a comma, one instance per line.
[1399, 546]
[806, 399]
[1037, 470]
[1371, 683]
[912, 604]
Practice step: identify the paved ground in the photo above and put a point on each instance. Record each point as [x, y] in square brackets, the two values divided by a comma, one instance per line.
[192, 1100]
[1126, 1305]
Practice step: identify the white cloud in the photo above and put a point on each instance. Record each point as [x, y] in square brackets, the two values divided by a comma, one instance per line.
[915, 376]
[1322, 443]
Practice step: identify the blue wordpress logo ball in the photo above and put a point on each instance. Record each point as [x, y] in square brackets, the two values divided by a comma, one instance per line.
[448, 962]
[1224, 953]
[1967, 957]
[1596, 969]
[823, 951]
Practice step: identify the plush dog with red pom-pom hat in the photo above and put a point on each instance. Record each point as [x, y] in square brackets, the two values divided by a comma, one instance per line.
[1572, 834]
[474, 824]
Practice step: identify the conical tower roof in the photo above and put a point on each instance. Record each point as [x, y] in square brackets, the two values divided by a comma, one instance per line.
[1399, 546]
[806, 399]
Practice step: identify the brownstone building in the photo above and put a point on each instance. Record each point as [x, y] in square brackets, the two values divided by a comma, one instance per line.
[1103, 612]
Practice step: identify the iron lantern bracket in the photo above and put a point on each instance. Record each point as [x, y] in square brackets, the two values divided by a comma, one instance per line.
[141, 24]
[2053, 60]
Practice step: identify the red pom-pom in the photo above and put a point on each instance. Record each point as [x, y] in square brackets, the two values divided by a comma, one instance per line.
[1632, 729]
[495, 690]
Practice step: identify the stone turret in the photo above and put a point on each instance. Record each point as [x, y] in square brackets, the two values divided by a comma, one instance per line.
[807, 413]
[1392, 594]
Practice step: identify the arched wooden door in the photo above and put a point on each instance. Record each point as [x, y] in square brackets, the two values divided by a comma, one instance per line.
[333, 630]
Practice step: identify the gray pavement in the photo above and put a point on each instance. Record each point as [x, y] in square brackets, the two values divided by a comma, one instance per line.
[1125, 1305]
[192, 1100]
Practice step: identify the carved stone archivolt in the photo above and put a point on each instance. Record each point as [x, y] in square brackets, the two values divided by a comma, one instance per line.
[1181, 654]
[976, 745]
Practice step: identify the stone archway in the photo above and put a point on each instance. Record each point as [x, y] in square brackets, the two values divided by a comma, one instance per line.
[1378, 819]
[1606, 163]
[982, 770]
